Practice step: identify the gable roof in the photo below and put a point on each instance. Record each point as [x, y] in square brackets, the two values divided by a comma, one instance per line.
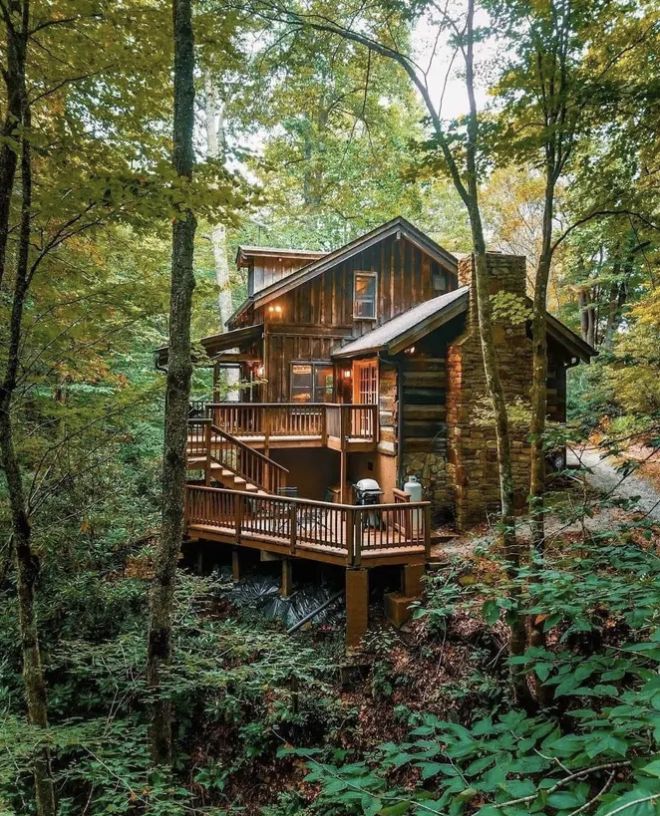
[246, 252]
[317, 267]
[405, 329]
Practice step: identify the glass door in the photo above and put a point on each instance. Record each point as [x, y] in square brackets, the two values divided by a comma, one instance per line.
[365, 392]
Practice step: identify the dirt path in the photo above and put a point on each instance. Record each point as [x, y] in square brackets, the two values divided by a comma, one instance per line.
[604, 477]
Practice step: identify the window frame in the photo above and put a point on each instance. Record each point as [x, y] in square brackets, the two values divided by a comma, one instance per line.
[314, 365]
[365, 274]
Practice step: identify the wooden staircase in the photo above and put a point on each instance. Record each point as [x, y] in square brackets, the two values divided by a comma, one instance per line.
[228, 462]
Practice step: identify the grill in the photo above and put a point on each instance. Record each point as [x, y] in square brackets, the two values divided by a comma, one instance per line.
[368, 492]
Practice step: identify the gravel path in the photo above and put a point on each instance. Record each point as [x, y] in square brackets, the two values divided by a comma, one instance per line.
[604, 477]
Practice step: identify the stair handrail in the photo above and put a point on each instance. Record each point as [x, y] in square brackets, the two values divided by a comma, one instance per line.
[274, 474]
[245, 447]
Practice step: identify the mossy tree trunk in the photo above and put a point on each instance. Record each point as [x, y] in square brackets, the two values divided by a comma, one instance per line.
[17, 127]
[177, 392]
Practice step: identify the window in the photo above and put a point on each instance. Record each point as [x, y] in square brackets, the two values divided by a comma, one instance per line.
[312, 382]
[364, 295]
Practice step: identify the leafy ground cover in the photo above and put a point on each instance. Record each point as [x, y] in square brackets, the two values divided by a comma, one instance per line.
[421, 722]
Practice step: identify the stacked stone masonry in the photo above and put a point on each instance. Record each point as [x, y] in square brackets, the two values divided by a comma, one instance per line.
[472, 450]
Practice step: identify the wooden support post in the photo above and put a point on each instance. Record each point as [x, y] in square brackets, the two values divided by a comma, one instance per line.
[216, 378]
[265, 427]
[207, 463]
[358, 528]
[200, 560]
[235, 564]
[239, 504]
[427, 531]
[286, 584]
[293, 526]
[349, 535]
[324, 426]
[342, 475]
[357, 605]
[411, 580]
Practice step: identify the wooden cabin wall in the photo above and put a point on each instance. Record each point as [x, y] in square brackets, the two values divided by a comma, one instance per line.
[424, 419]
[264, 271]
[405, 279]
[286, 344]
[317, 317]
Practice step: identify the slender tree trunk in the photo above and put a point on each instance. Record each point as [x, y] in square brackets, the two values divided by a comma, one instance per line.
[215, 145]
[25, 562]
[16, 47]
[539, 393]
[518, 637]
[177, 393]
[17, 124]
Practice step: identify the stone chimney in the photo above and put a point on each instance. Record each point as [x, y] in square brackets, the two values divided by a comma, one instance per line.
[472, 449]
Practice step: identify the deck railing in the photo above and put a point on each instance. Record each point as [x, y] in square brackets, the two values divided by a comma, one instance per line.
[345, 422]
[301, 525]
[217, 446]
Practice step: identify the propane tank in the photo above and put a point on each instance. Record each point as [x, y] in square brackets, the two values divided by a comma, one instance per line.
[414, 489]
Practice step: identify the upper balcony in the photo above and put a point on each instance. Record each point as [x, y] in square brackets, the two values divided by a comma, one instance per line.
[338, 426]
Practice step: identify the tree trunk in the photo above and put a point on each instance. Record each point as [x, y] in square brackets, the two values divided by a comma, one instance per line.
[18, 118]
[215, 145]
[508, 538]
[177, 392]
[539, 393]
[16, 47]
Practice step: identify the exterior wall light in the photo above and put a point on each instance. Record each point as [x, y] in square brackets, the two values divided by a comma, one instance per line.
[410, 350]
[260, 371]
[346, 373]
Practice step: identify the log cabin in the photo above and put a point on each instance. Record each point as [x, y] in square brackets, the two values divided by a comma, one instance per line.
[362, 363]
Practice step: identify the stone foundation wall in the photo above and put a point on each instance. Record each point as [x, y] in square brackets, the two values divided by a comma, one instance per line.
[431, 468]
[472, 451]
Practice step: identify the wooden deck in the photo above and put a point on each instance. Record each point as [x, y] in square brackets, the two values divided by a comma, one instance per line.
[341, 534]
[341, 427]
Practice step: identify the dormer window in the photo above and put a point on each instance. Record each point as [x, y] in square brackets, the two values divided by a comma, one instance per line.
[364, 296]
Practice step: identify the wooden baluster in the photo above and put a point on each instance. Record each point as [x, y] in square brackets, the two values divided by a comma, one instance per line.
[427, 531]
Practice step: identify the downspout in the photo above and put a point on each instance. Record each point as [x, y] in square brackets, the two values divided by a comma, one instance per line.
[397, 363]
